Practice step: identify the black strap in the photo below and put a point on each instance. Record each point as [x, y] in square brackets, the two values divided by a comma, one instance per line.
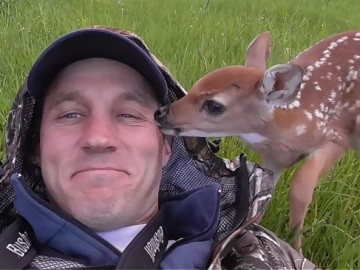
[148, 248]
[16, 247]
[242, 175]
[242, 197]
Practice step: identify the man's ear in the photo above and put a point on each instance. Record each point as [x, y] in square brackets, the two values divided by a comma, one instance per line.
[167, 149]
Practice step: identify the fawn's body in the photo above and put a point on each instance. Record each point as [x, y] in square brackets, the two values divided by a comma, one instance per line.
[307, 109]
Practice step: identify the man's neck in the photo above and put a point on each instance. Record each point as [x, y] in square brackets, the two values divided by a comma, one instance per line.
[121, 238]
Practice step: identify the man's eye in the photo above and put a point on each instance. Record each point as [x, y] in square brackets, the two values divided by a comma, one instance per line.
[127, 115]
[71, 115]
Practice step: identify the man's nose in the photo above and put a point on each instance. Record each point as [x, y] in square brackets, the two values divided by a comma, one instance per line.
[98, 135]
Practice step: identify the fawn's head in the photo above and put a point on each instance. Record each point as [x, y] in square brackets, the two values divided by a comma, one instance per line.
[225, 101]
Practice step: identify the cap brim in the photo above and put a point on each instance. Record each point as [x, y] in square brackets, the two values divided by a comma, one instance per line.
[90, 43]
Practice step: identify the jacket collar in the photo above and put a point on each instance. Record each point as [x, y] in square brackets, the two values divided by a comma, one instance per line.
[68, 236]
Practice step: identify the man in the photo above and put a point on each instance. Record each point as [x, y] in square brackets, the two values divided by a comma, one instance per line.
[95, 183]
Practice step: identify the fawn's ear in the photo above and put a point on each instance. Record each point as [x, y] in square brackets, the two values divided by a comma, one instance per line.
[281, 83]
[258, 51]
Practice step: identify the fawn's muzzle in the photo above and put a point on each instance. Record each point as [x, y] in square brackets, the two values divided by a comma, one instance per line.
[163, 119]
[161, 115]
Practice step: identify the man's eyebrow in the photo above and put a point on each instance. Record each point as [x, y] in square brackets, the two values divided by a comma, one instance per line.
[137, 96]
[67, 96]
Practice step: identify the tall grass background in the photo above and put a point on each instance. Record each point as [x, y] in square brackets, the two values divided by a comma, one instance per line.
[193, 37]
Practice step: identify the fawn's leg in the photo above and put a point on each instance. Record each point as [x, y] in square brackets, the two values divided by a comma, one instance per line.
[320, 162]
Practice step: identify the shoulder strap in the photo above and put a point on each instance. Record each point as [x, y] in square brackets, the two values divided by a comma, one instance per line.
[242, 175]
[16, 247]
[148, 248]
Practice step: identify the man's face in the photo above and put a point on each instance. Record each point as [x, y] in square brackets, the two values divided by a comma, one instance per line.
[101, 152]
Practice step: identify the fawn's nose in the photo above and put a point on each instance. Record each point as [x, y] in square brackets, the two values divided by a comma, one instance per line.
[161, 114]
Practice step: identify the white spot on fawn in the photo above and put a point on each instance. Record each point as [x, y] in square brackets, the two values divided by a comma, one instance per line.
[333, 45]
[350, 87]
[300, 129]
[326, 118]
[308, 115]
[352, 75]
[329, 75]
[317, 88]
[318, 64]
[322, 107]
[319, 114]
[332, 96]
[294, 104]
[338, 67]
[351, 61]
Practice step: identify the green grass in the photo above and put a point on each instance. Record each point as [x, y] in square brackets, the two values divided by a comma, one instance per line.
[193, 38]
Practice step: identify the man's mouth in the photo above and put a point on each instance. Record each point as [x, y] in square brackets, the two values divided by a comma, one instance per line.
[100, 170]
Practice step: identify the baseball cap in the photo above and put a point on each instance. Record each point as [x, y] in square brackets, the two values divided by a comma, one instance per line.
[90, 43]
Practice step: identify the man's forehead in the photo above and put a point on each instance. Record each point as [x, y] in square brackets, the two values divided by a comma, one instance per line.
[100, 66]
[73, 78]
[75, 94]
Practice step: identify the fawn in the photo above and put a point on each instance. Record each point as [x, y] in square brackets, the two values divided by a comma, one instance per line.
[307, 109]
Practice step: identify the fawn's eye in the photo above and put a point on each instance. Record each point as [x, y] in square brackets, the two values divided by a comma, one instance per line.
[213, 107]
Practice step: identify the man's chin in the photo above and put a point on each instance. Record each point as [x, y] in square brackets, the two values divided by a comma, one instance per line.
[99, 187]
[99, 217]
[98, 194]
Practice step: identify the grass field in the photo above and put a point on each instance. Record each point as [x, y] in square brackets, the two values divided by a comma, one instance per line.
[193, 37]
